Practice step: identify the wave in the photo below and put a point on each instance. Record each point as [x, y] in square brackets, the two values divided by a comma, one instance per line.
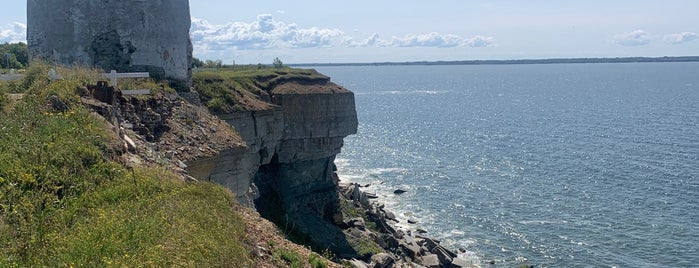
[400, 92]
[381, 171]
[541, 222]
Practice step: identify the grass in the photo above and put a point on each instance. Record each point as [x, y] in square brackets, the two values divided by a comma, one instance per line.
[286, 258]
[316, 261]
[366, 248]
[66, 202]
[228, 89]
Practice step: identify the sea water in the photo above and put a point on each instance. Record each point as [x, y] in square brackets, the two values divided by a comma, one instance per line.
[564, 165]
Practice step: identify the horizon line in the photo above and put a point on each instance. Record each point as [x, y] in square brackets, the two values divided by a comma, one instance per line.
[513, 61]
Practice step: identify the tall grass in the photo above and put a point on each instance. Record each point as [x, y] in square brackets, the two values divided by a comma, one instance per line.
[65, 201]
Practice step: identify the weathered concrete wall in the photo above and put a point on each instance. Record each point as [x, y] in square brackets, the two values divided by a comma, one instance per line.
[124, 35]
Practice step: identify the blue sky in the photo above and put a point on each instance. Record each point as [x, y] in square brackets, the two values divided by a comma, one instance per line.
[411, 30]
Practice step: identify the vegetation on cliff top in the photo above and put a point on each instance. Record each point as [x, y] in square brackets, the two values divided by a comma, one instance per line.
[65, 201]
[244, 88]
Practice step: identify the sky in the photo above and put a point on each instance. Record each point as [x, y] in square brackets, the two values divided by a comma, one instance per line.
[315, 31]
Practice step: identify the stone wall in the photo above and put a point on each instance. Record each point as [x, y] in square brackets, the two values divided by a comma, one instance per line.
[126, 35]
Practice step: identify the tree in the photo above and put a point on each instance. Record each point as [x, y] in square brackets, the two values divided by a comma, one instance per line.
[19, 55]
[197, 63]
[213, 64]
[278, 63]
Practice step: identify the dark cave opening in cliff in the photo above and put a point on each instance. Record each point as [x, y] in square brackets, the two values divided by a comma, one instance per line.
[301, 210]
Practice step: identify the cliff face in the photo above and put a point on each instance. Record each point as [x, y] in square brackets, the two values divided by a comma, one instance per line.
[287, 169]
[133, 35]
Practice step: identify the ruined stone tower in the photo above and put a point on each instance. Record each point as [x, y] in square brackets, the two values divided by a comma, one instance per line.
[122, 35]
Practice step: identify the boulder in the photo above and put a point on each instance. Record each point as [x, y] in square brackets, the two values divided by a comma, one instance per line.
[382, 260]
[357, 223]
[358, 264]
[444, 255]
[430, 261]
[412, 251]
[57, 104]
[389, 215]
[461, 263]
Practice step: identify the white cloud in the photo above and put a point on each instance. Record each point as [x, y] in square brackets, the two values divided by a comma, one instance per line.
[680, 38]
[423, 40]
[480, 41]
[13, 33]
[263, 33]
[635, 38]
[267, 33]
[372, 41]
[429, 40]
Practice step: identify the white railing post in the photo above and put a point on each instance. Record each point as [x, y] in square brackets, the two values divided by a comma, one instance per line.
[113, 76]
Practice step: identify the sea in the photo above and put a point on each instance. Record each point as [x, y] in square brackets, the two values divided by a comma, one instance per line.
[551, 165]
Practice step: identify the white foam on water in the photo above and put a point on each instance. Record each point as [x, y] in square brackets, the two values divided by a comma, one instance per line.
[543, 222]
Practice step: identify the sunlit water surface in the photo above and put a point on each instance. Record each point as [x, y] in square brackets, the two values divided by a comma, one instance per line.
[567, 165]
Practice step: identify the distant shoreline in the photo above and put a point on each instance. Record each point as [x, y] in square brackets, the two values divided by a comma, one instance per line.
[510, 62]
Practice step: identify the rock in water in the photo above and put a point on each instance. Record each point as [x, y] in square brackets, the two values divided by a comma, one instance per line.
[127, 36]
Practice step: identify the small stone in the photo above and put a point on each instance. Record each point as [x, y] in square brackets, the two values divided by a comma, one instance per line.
[399, 191]
[130, 144]
[181, 164]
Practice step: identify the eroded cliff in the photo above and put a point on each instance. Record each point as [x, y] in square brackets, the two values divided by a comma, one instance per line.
[293, 122]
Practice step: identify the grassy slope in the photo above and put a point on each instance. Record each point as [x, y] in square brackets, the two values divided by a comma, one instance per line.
[64, 202]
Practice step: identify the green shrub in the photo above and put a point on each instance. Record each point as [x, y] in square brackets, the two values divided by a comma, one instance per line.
[316, 261]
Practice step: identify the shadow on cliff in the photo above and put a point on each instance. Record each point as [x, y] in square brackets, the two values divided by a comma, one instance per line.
[309, 218]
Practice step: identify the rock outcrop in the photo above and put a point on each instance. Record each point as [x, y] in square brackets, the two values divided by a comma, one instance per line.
[130, 35]
[287, 169]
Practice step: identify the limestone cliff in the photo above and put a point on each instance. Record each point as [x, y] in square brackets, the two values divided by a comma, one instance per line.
[294, 125]
[132, 35]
